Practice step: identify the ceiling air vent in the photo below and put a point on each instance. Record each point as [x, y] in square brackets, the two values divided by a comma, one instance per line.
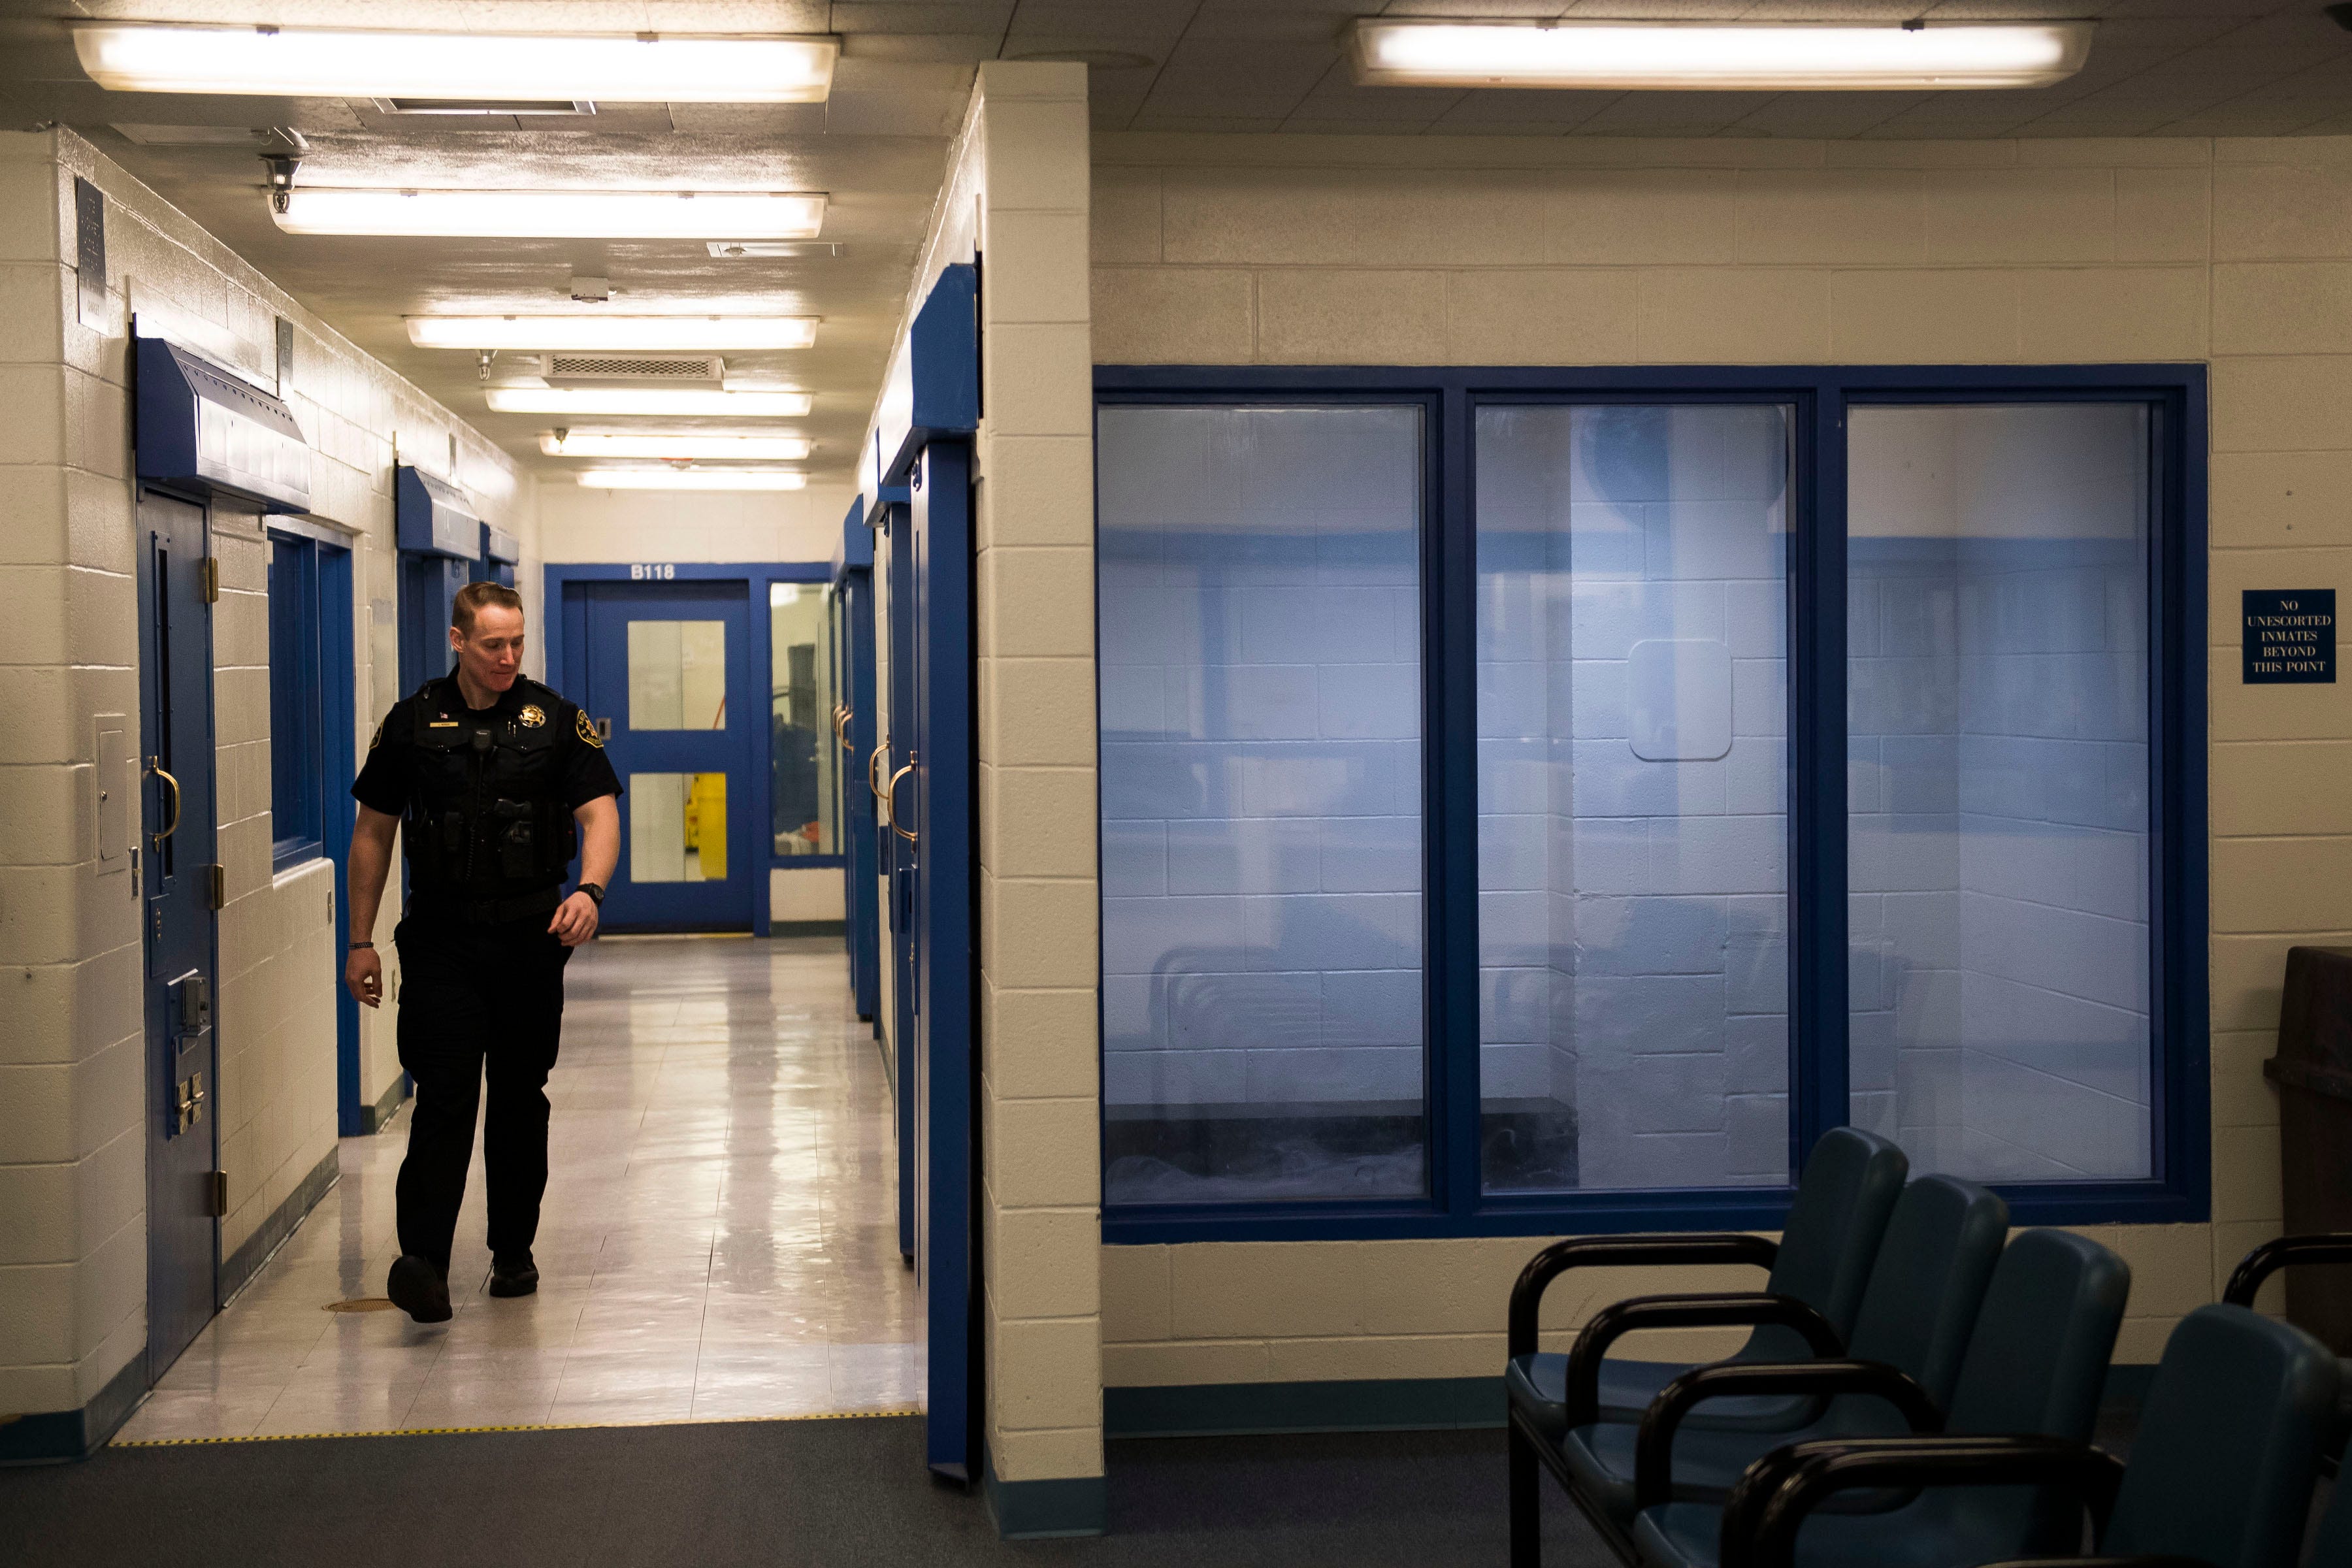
[664, 368]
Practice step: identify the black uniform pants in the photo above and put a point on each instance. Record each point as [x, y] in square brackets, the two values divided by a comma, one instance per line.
[476, 996]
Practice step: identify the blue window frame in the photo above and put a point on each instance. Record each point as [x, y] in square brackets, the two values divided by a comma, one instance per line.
[1959, 705]
[297, 702]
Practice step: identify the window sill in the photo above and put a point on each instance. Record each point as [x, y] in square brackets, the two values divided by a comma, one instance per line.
[289, 853]
[1603, 1213]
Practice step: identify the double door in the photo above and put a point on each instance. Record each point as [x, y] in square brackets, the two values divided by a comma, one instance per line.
[663, 671]
[178, 891]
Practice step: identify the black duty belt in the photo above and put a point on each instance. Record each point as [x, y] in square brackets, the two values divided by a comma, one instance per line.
[484, 911]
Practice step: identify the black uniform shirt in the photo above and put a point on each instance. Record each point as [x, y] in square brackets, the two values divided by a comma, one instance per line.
[561, 760]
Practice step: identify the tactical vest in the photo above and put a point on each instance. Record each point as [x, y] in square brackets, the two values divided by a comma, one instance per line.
[483, 812]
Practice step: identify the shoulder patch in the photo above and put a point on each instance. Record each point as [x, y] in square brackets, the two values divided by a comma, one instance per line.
[588, 730]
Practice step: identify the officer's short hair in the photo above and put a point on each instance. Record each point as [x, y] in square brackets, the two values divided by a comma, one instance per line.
[474, 595]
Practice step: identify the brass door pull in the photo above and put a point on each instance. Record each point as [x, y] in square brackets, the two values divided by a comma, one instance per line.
[155, 766]
[841, 718]
[891, 794]
[873, 785]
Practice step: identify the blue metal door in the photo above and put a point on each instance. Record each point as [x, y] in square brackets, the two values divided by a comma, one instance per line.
[667, 679]
[932, 808]
[178, 897]
[896, 853]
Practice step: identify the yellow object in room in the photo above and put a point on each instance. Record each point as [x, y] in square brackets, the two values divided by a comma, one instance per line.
[706, 800]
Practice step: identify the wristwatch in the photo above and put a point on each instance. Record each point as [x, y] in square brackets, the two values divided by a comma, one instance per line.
[594, 890]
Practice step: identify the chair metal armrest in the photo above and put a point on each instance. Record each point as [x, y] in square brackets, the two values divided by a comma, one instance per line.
[1761, 1519]
[1610, 1323]
[2272, 1256]
[1653, 1441]
[1621, 1252]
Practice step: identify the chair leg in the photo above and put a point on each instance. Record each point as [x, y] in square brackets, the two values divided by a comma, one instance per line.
[1526, 1502]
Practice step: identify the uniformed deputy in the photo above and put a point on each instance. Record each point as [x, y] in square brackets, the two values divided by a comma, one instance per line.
[485, 773]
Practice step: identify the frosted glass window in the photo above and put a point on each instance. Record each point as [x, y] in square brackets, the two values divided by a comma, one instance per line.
[804, 756]
[1633, 796]
[678, 828]
[677, 675]
[1999, 828]
[1259, 631]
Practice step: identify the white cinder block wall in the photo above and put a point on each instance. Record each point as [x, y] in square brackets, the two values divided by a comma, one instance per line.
[583, 526]
[72, 1079]
[1387, 250]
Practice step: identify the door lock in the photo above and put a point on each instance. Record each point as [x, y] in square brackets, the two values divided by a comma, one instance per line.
[603, 728]
[192, 1101]
[193, 993]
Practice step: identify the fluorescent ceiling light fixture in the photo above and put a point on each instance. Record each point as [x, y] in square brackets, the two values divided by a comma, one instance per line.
[551, 215]
[649, 400]
[624, 444]
[692, 479]
[1698, 55]
[309, 62]
[698, 334]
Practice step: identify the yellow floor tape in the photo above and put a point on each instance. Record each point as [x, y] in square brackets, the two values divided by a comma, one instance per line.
[527, 1426]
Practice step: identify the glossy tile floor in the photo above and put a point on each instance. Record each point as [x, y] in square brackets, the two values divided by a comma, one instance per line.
[719, 1241]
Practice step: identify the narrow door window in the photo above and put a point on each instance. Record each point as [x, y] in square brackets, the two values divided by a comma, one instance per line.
[803, 751]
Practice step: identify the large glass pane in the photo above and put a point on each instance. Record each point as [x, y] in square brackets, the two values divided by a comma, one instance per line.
[1633, 796]
[1260, 659]
[677, 675]
[1997, 842]
[678, 828]
[803, 756]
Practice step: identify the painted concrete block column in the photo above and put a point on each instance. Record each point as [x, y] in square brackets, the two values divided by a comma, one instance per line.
[1040, 1189]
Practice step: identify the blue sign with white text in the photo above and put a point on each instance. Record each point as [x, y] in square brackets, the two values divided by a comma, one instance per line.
[2290, 636]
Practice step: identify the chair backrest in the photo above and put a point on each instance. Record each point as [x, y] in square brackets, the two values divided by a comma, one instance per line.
[2229, 1443]
[2331, 1544]
[2038, 1358]
[1851, 1183]
[1934, 1263]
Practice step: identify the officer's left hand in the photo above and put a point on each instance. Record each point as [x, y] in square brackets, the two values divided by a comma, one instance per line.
[575, 920]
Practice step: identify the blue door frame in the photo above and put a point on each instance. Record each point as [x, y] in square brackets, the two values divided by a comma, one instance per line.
[328, 660]
[566, 635]
[931, 409]
[598, 676]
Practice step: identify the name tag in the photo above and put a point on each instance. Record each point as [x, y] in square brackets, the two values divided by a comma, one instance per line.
[441, 723]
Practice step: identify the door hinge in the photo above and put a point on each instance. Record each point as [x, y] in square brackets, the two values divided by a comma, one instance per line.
[208, 575]
[216, 886]
[216, 1193]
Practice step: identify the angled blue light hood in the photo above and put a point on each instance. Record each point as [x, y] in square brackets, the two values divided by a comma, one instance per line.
[201, 429]
[433, 517]
[855, 551]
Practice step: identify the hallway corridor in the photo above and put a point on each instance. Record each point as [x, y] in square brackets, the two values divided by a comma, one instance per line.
[719, 1239]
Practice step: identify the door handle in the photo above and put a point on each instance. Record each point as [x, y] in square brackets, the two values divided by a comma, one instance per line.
[881, 801]
[155, 766]
[841, 718]
[890, 793]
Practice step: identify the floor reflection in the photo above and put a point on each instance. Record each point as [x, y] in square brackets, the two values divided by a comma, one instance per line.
[720, 1237]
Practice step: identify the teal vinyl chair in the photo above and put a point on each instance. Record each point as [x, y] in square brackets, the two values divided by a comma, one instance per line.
[2036, 1362]
[1820, 1263]
[1924, 1288]
[2286, 1252]
[2219, 1477]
